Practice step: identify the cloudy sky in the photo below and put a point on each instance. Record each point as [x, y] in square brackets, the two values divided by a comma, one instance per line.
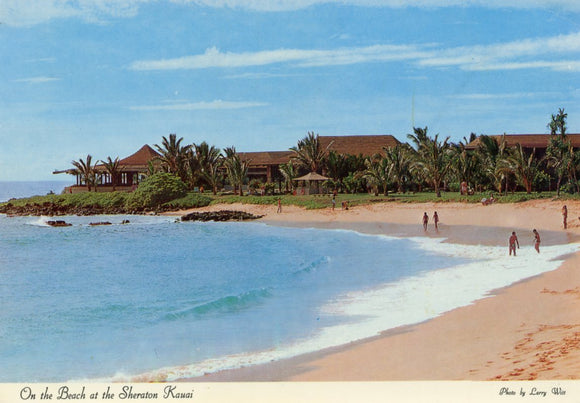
[106, 76]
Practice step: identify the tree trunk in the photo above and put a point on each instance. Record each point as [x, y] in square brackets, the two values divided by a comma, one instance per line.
[437, 190]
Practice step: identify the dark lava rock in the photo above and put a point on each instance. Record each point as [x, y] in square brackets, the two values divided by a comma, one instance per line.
[223, 215]
[58, 223]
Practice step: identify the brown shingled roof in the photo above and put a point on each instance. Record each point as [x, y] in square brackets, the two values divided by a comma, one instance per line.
[262, 158]
[141, 157]
[354, 145]
[528, 140]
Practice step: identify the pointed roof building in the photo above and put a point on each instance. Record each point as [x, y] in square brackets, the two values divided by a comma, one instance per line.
[139, 160]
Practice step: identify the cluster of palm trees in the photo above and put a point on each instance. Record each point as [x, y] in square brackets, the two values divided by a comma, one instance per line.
[90, 175]
[431, 162]
[202, 164]
[426, 162]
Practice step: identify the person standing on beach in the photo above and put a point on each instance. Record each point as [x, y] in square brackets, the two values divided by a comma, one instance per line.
[565, 216]
[536, 240]
[333, 202]
[279, 205]
[512, 243]
[425, 221]
[436, 220]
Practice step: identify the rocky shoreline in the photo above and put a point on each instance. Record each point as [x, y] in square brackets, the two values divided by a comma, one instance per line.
[49, 209]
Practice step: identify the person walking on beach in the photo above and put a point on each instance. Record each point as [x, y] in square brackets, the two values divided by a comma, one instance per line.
[333, 201]
[565, 216]
[513, 242]
[436, 220]
[279, 205]
[536, 240]
[425, 221]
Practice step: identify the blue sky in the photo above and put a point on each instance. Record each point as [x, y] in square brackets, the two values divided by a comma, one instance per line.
[106, 76]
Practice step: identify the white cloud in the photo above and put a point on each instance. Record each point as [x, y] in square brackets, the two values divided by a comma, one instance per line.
[571, 66]
[31, 12]
[522, 54]
[300, 57]
[197, 106]
[508, 56]
[36, 80]
[287, 5]
[513, 95]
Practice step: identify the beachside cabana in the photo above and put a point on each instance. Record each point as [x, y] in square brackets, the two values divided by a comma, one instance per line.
[310, 179]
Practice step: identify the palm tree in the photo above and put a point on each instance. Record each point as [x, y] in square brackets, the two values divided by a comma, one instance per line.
[558, 123]
[289, 171]
[465, 162]
[378, 173]
[573, 162]
[309, 153]
[523, 165]
[236, 169]
[433, 157]
[399, 164]
[86, 171]
[213, 174]
[337, 166]
[208, 162]
[558, 158]
[113, 169]
[557, 152]
[174, 156]
[492, 154]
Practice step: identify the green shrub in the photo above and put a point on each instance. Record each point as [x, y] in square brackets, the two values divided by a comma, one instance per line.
[156, 190]
[191, 200]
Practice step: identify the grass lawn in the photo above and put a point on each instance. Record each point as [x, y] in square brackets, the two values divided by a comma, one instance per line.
[192, 199]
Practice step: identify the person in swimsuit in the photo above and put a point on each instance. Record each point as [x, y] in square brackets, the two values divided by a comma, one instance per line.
[425, 221]
[436, 219]
[565, 216]
[536, 240]
[513, 242]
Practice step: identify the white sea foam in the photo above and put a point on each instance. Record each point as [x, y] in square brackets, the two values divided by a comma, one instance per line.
[40, 221]
[407, 301]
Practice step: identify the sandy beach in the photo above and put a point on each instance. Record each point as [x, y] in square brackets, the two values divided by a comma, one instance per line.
[527, 331]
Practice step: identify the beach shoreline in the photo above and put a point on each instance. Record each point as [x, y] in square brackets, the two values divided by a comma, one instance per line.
[526, 331]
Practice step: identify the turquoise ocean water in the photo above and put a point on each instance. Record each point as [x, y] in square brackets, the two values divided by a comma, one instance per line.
[159, 299]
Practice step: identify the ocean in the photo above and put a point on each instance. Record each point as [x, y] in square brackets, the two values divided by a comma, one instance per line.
[9, 190]
[157, 299]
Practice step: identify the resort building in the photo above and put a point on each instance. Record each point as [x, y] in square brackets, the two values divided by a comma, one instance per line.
[132, 170]
[529, 142]
[264, 165]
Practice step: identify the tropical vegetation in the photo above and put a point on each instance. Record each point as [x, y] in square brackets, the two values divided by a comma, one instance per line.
[427, 164]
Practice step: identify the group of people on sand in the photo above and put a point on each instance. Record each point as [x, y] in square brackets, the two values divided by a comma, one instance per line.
[513, 242]
[426, 220]
[344, 204]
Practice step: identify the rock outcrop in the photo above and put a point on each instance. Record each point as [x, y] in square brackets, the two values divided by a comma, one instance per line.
[58, 223]
[223, 215]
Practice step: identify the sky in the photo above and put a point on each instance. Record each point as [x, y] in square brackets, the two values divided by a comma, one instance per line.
[105, 77]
